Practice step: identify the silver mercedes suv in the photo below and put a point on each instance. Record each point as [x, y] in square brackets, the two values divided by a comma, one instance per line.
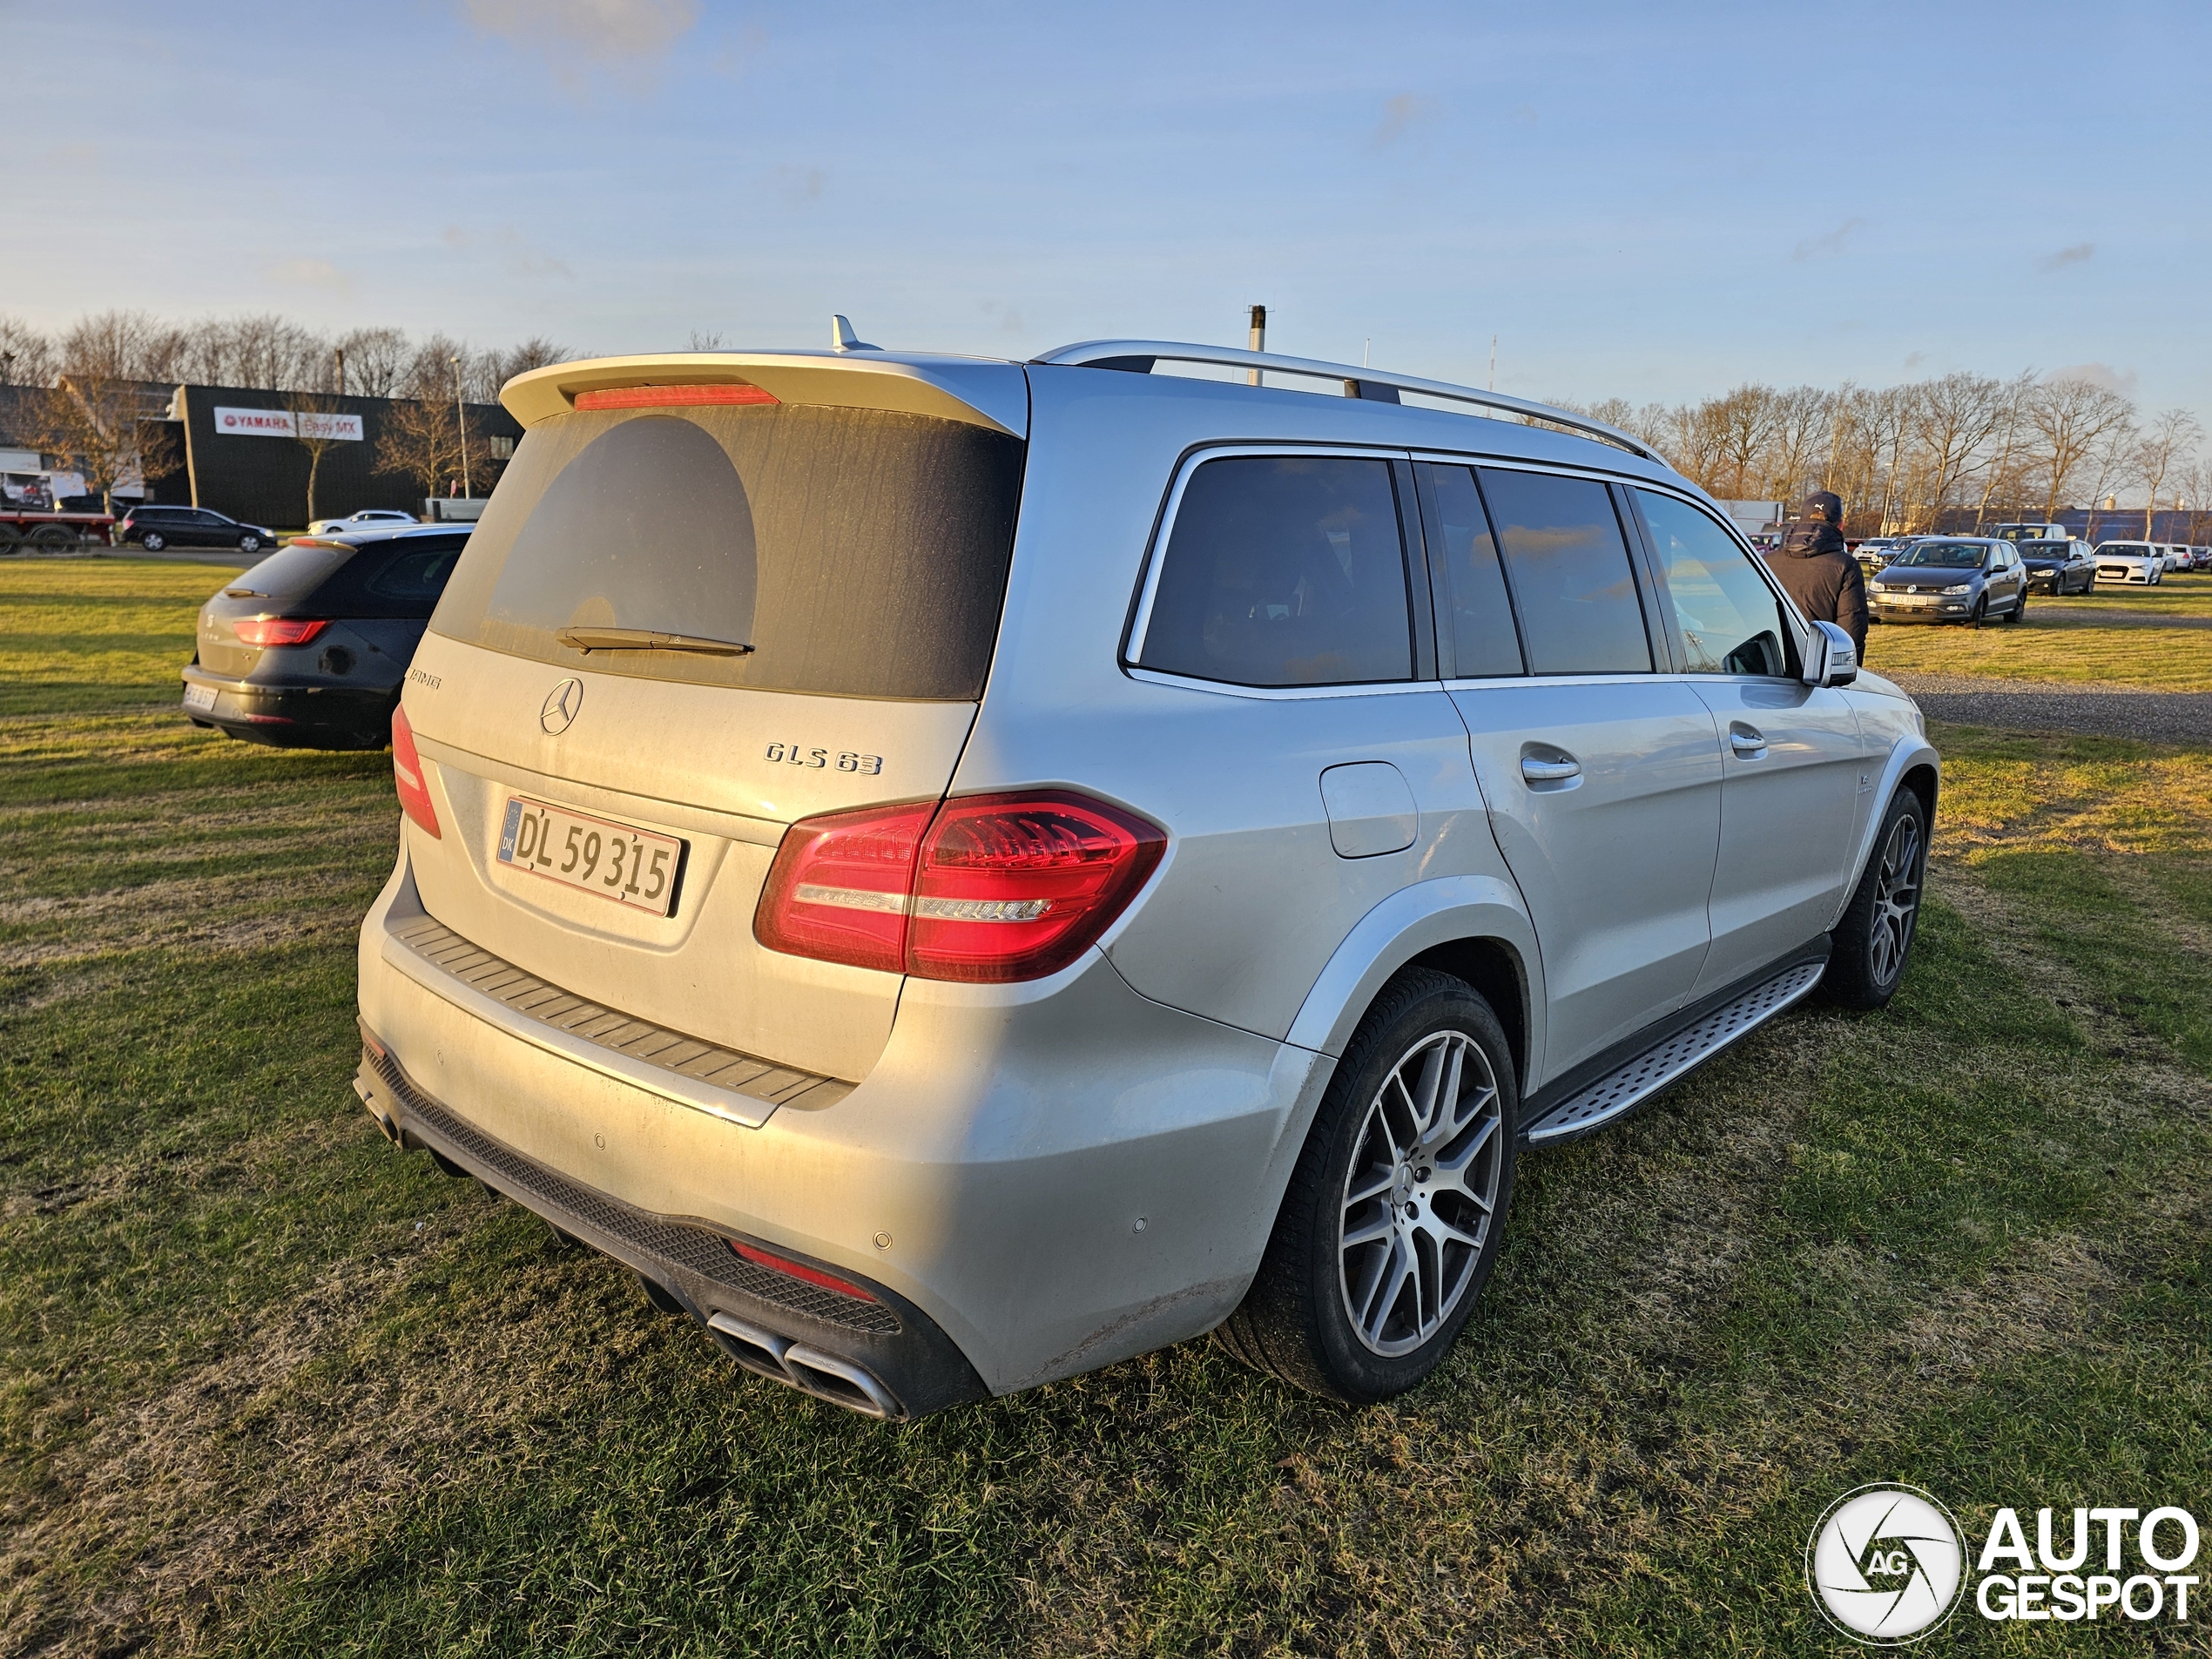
[961, 872]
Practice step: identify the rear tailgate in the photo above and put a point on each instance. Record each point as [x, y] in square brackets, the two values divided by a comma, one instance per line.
[833, 576]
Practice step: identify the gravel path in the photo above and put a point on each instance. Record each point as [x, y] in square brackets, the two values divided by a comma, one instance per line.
[2053, 705]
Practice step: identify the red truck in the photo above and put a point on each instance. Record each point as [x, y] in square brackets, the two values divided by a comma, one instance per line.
[19, 528]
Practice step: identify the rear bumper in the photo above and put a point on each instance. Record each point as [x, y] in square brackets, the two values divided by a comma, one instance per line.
[1048, 1176]
[875, 1352]
[300, 717]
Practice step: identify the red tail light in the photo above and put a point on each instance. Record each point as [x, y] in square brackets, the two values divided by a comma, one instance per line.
[406, 778]
[995, 887]
[279, 631]
[799, 1271]
[670, 397]
[840, 886]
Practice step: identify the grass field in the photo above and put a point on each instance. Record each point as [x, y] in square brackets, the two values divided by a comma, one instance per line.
[2065, 640]
[269, 1387]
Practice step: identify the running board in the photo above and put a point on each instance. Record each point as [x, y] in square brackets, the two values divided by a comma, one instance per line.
[1644, 1076]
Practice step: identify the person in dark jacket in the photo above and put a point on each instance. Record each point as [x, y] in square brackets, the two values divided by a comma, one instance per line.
[1817, 571]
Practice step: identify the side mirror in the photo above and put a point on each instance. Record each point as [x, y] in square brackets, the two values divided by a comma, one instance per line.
[1833, 659]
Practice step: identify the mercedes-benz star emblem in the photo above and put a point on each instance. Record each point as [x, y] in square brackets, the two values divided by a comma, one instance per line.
[560, 706]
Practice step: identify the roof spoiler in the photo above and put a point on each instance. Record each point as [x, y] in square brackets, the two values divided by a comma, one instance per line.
[994, 395]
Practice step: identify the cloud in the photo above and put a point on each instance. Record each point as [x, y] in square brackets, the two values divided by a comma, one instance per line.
[1399, 113]
[801, 185]
[1822, 247]
[2122, 380]
[2067, 256]
[576, 38]
[312, 273]
[517, 255]
[1008, 315]
[1913, 360]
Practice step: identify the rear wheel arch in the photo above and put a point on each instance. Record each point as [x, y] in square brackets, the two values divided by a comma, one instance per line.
[1922, 781]
[1494, 969]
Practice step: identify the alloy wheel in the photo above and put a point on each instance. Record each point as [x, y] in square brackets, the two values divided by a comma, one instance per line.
[1420, 1196]
[1897, 900]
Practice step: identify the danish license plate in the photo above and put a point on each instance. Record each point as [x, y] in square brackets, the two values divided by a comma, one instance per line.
[618, 861]
[199, 699]
[1913, 605]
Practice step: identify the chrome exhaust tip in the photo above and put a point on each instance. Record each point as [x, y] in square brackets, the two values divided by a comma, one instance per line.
[812, 1372]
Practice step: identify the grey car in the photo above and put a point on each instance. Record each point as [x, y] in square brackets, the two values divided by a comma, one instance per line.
[960, 872]
[306, 649]
[2059, 568]
[1970, 579]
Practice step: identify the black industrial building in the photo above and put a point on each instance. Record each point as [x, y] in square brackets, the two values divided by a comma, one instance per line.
[256, 470]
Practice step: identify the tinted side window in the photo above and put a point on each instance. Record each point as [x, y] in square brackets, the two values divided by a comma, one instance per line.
[417, 576]
[1730, 620]
[1283, 571]
[1573, 586]
[1480, 621]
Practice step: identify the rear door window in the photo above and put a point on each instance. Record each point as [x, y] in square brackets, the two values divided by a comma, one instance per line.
[1729, 620]
[1479, 620]
[854, 552]
[1283, 570]
[294, 571]
[1573, 588]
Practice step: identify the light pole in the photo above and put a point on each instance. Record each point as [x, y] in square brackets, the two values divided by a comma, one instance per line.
[461, 415]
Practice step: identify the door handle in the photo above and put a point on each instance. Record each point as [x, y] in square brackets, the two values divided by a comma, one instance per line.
[1746, 741]
[1550, 771]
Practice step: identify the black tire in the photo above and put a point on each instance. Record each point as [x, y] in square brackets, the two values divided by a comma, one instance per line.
[2018, 609]
[53, 535]
[1295, 1322]
[1872, 944]
[1979, 613]
[153, 540]
[249, 544]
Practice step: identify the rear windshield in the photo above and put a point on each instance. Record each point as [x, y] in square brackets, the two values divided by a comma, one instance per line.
[401, 578]
[858, 553]
[294, 571]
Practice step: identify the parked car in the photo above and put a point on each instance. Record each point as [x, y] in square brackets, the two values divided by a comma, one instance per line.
[2038, 532]
[959, 873]
[2136, 562]
[307, 649]
[2059, 568]
[156, 528]
[2200, 558]
[370, 518]
[1875, 552]
[1952, 579]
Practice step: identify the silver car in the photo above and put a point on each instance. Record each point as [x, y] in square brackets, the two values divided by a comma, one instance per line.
[960, 872]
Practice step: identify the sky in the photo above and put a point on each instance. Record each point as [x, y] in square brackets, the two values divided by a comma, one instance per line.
[1648, 202]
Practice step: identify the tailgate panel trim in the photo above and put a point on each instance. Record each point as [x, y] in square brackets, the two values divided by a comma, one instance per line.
[723, 1083]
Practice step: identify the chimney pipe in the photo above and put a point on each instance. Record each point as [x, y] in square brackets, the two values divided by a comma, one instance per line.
[1259, 339]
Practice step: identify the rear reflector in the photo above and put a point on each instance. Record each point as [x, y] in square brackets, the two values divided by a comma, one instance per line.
[408, 778]
[279, 631]
[984, 887]
[670, 397]
[799, 1271]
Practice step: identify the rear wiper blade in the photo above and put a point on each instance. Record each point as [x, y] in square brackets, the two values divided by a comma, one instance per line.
[587, 640]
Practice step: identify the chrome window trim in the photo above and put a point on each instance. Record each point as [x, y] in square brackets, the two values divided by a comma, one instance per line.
[1280, 693]
[1155, 560]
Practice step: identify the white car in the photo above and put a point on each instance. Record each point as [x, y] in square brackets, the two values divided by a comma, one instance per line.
[373, 518]
[2139, 562]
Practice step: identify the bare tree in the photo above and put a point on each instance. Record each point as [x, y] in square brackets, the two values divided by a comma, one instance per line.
[421, 440]
[2168, 447]
[102, 427]
[316, 431]
[377, 359]
[1953, 418]
[26, 354]
[2074, 421]
[1801, 420]
[2109, 462]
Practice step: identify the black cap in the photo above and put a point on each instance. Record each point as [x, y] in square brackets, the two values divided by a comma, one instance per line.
[1823, 503]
